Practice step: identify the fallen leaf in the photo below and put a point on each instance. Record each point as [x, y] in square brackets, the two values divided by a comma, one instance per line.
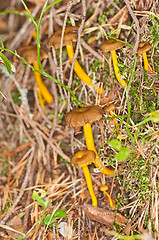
[127, 229]
[117, 17]
[16, 224]
[104, 216]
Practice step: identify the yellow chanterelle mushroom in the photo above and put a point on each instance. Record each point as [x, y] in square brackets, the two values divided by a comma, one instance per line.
[84, 117]
[82, 159]
[29, 53]
[112, 45]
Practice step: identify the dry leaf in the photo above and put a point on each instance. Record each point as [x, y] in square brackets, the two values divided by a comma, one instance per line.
[16, 224]
[104, 216]
[118, 16]
[127, 228]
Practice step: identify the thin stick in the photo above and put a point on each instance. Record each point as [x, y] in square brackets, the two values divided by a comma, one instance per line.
[137, 26]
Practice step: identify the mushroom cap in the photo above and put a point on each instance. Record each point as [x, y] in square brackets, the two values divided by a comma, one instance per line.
[109, 107]
[70, 35]
[103, 188]
[29, 53]
[83, 158]
[111, 45]
[143, 47]
[81, 116]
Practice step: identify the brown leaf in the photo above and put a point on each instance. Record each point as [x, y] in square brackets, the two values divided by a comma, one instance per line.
[110, 97]
[104, 216]
[16, 224]
[127, 228]
[118, 16]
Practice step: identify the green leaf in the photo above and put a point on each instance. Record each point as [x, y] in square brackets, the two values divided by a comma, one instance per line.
[60, 213]
[116, 144]
[123, 154]
[47, 220]
[154, 116]
[6, 62]
[40, 197]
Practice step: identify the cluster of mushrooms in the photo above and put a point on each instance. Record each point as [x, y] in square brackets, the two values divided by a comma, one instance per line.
[29, 53]
[86, 115]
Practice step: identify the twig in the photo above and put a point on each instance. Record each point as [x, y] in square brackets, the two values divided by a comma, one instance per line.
[20, 35]
[76, 51]
[89, 49]
[69, 5]
[137, 26]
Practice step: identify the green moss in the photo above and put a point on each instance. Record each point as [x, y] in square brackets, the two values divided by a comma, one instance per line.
[16, 97]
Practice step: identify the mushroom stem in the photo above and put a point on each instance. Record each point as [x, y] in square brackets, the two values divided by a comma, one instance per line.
[41, 99]
[43, 89]
[89, 185]
[116, 69]
[110, 200]
[77, 68]
[104, 189]
[90, 146]
[146, 65]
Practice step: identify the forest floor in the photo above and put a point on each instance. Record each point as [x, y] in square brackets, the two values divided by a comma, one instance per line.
[42, 196]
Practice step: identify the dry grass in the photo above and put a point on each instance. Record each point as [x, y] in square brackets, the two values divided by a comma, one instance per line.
[36, 146]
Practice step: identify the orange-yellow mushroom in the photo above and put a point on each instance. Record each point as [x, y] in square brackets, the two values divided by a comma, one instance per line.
[82, 159]
[112, 45]
[104, 188]
[29, 53]
[84, 117]
[70, 35]
[142, 49]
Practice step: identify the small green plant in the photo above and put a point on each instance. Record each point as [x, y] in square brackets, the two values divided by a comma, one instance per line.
[49, 219]
[154, 37]
[154, 116]
[123, 153]
[154, 19]
[16, 96]
[101, 18]
[62, 160]
[59, 116]
[96, 65]
[4, 60]
[40, 197]
[6, 208]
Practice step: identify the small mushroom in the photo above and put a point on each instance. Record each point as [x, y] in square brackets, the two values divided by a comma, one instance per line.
[104, 188]
[112, 45]
[142, 49]
[29, 53]
[82, 159]
[84, 117]
[70, 35]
